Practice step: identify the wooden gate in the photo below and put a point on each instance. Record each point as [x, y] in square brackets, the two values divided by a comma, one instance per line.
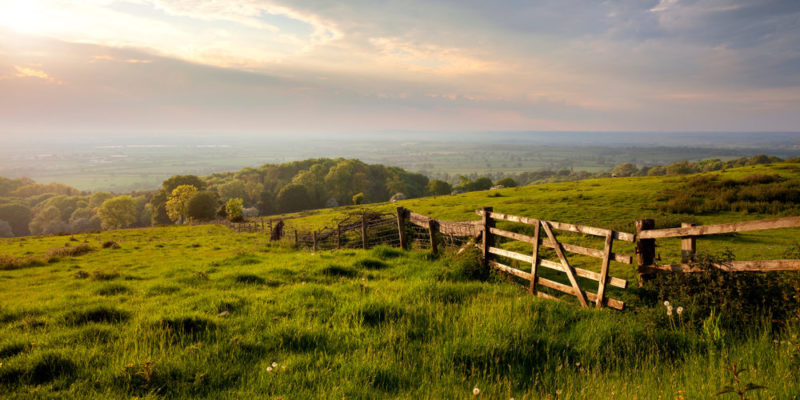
[490, 251]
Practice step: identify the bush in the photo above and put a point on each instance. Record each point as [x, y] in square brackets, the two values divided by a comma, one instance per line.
[740, 298]
[78, 250]
[466, 266]
[234, 209]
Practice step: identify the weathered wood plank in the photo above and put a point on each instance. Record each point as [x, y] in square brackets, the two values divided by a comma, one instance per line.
[586, 251]
[567, 268]
[460, 228]
[601, 288]
[589, 230]
[584, 273]
[510, 270]
[613, 303]
[535, 257]
[778, 223]
[418, 219]
[511, 254]
[732, 266]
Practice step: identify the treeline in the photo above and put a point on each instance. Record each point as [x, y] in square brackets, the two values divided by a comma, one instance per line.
[29, 208]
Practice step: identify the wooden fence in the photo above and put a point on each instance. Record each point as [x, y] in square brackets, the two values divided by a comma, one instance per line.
[688, 233]
[406, 228]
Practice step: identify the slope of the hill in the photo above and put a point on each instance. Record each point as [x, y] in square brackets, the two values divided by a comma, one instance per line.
[202, 312]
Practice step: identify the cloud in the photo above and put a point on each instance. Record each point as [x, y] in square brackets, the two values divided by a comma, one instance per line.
[24, 72]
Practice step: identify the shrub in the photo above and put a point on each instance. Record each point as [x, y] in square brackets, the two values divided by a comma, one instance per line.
[68, 251]
[466, 266]
[740, 298]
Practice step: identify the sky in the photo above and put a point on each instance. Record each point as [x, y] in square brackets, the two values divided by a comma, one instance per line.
[279, 67]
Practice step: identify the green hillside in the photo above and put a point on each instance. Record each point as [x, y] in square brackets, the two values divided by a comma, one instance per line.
[202, 312]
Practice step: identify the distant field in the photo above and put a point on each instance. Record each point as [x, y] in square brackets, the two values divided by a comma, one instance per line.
[123, 166]
[202, 312]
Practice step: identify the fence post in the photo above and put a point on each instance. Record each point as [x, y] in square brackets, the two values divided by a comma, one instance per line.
[688, 245]
[645, 248]
[401, 226]
[433, 229]
[296, 238]
[314, 239]
[488, 223]
[338, 236]
[364, 231]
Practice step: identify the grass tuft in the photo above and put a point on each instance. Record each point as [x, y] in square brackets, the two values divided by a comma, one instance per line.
[69, 251]
[370, 263]
[98, 314]
[249, 279]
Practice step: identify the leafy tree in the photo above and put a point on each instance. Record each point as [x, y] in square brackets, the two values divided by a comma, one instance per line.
[507, 182]
[625, 169]
[439, 188]
[9, 185]
[178, 201]
[44, 221]
[117, 212]
[233, 209]
[231, 190]
[178, 180]
[202, 206]
[358, 198]
[293, 197]
[97, 198]
[18, 216]
[158, 209]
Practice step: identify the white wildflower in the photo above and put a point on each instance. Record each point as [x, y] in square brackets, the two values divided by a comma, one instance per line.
[269, 369]
[274, 364]
[669, 311]
[679, 310]
[666, 303]
[476, 391]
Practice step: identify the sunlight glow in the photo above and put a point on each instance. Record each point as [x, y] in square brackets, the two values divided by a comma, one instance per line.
[25, 16]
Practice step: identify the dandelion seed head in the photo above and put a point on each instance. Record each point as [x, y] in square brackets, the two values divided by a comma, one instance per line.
[679, 310]
[666, 303]
[269, 369]
[274, 364]
[476, 391]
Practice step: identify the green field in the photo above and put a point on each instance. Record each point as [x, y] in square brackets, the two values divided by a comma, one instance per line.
[202, 312]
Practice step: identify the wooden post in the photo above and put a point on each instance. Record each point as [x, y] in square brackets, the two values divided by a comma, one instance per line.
[364, 231]
[433, 229]
[338, 236]
[645, 248]
[535, 255]
[688, 245]
[401, 226]
[296, 238]
[488, 223]
[601, 288]
[314, 239]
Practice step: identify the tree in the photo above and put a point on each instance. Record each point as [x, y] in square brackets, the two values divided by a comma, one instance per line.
[202, 206]
[233, 209]
[43, 222]
[158, 209]
[507, 182]
[117, 212]
[18, 216]
[97, 198]
[178, 201]
[293, 197]
[173, 182]
[358, 198]
[439, 188]
[232, 190]
[625, 169]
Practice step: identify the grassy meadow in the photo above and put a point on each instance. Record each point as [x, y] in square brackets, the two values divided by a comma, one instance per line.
[203, 312]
